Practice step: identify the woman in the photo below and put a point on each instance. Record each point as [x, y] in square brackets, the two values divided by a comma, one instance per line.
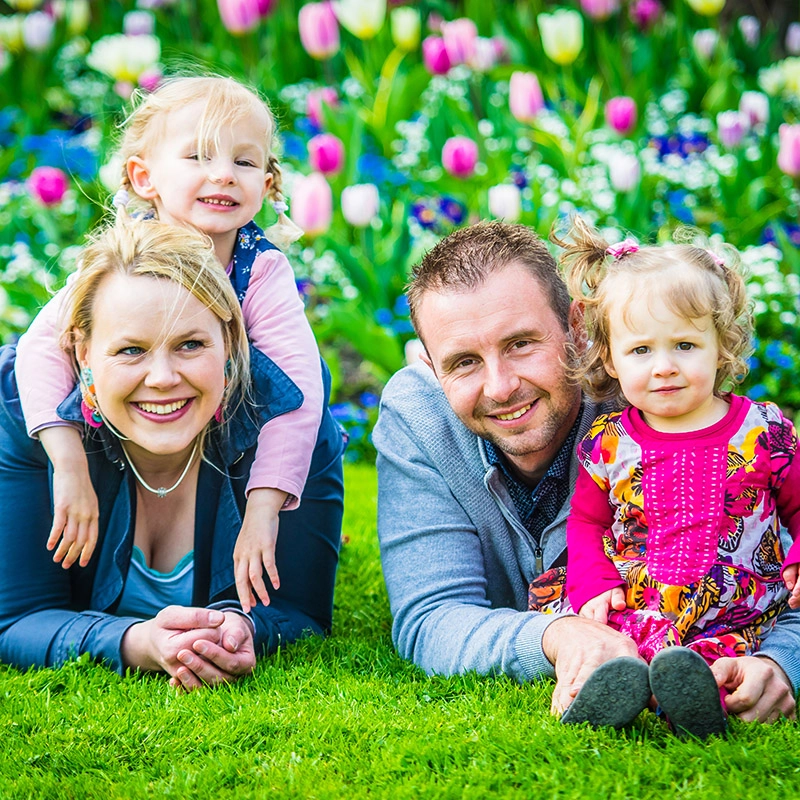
[179, 399]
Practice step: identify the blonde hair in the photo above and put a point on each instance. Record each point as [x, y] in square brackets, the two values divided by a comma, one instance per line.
[166, 252]
[226, 101]
[710, 287]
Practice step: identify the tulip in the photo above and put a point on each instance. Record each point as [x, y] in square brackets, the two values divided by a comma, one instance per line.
[319, 30]
[312, 203]
[5, 60]
[363, 18]
[11, 32]
[326, 154]
[645, 13]
[562, 35]
[360, 204]
[150, 79]
[705, 43]
[24, 5]
[37, 31]
[459, 40]
[124, 58]
[434, 54]
[755, 106]
[406, 28]
[750, 28]
[48, 185]
[266, 7]
[789, 151]
[624, 172]
[459, 156]
[792, 40]
[621, 114]
[76, 13]
[600, 9]
[525, 98]
[484, 56]
[708, 8]
[315, 100]
[239, 16]
[505, 202]
[138, 23]
[413, 351]
[731, 127]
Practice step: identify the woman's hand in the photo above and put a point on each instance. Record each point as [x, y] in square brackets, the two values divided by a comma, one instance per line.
[223, 659]
[156, 643]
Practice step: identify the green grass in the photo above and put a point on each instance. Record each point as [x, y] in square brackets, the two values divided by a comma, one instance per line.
[347, 718]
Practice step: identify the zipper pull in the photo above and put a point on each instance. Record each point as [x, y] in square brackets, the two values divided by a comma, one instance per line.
[539, 560]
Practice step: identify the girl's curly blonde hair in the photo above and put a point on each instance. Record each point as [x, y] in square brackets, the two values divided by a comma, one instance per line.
[711, 287]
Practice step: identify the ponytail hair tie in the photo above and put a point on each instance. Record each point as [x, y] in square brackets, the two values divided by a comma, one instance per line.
[626, 246]
[280, 207]
[715, 258]
[121, 199]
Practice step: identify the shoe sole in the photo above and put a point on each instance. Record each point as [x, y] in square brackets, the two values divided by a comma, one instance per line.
[684, 687]
[613, 695]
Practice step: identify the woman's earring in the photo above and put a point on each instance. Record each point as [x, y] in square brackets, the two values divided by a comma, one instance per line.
[89, 409]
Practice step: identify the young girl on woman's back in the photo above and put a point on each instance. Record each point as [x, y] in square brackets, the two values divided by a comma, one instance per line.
[674, 530]
[196, 152]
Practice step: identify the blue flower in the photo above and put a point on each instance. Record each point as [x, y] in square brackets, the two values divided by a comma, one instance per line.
[294, 147]
[368, 399]
[772, 351]
[383, 316]
[401, 306]
[757, 392]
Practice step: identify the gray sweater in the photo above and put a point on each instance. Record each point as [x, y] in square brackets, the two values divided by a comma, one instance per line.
[456, 558]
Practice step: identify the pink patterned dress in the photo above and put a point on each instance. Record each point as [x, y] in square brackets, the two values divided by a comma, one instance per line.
[688, 524]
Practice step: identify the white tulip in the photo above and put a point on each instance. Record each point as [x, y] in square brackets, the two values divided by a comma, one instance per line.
[505, 202]
[360, 204]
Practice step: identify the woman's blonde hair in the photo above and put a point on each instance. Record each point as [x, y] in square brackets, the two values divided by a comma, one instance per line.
[166, 252]
[712, 286]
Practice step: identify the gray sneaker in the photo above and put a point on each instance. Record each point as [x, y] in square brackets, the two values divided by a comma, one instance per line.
[613, 696]
[685, 689]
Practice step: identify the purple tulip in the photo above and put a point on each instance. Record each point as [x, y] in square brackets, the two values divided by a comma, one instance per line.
[37, 31]
[600, 9]
[731, 128]
[138, 23]
[621, 114]
[312, 203]
[525, 98]
[266, 7]
[459, 40]
[755, 106]
[459, 156]
[319, 30]
[434, 54]
[750, 28]
[48, 185]
[789, 151]
[645, 13]
[792, 41]
[239, 16]
[326, 154]
[314, 101]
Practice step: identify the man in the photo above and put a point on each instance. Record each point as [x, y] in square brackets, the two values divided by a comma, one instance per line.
[476, 465]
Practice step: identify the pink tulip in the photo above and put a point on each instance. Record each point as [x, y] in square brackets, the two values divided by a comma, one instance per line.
[434, 54]
[312, 204]
[525, 97]
[789, 151]
[645, 13]
[326, 154]
[459, 40]
[314, 101]
[48, 185]
[459, 156]
[621, 114]
[600, 9]
[239, 16]
[755, 106]
[266, 7]
[731, 127]
[319, 30]
[150, 79]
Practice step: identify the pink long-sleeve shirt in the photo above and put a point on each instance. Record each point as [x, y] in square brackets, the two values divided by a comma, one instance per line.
[276, 324]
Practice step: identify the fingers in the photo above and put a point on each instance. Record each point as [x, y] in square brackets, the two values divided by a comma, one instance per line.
[759, 688]
[618, 599]
[222, 664]
[256, 574]
[189, 618]
[59, 521]
[241, 571]
[77, 542]
[268, 560]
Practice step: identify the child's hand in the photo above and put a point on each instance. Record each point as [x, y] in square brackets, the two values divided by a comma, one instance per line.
[598, 607]
[75, 516]
[792, 584]
[255, 547]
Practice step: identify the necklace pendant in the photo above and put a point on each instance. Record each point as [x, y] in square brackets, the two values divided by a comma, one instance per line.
[161, 492]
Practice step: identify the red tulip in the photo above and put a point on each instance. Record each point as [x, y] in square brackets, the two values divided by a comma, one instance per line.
[48, 185]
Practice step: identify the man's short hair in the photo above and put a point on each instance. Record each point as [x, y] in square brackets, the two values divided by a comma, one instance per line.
[465, 259]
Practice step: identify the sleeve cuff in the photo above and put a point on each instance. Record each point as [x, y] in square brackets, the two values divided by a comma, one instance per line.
[534, 663]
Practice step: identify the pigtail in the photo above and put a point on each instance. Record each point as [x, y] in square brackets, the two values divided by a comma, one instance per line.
[284, 231]
[583, 260]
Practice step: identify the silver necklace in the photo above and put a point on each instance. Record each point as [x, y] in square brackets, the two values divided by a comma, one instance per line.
[161, 491]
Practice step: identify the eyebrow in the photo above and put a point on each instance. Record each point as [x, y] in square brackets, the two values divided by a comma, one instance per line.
[448, 360]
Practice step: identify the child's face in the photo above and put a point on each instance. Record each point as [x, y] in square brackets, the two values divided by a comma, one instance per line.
[218, 194]
[666, 364]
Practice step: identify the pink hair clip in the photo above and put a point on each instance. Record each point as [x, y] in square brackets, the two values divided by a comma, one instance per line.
[717, 260]
[623, 248]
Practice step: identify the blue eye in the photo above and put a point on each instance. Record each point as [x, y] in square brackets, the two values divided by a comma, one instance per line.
[191, 345]
[133, 350]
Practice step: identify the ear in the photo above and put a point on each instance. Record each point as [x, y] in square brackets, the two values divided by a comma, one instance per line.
[267, 184]
[426, 359]
[577, 327]
[81, 351]
[608, 366]
[139, 176]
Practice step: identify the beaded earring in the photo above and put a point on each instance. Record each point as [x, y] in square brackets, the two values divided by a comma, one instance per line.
[89, 409]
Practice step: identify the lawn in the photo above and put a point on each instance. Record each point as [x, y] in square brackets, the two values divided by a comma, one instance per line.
[346, 717]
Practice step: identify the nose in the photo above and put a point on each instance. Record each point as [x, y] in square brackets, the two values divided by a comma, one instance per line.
[221, 172]
[501, 381]
[162, 372]
[664, 364]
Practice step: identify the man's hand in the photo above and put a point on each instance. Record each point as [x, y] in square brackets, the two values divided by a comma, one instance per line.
[759, 689]
[577, 646]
